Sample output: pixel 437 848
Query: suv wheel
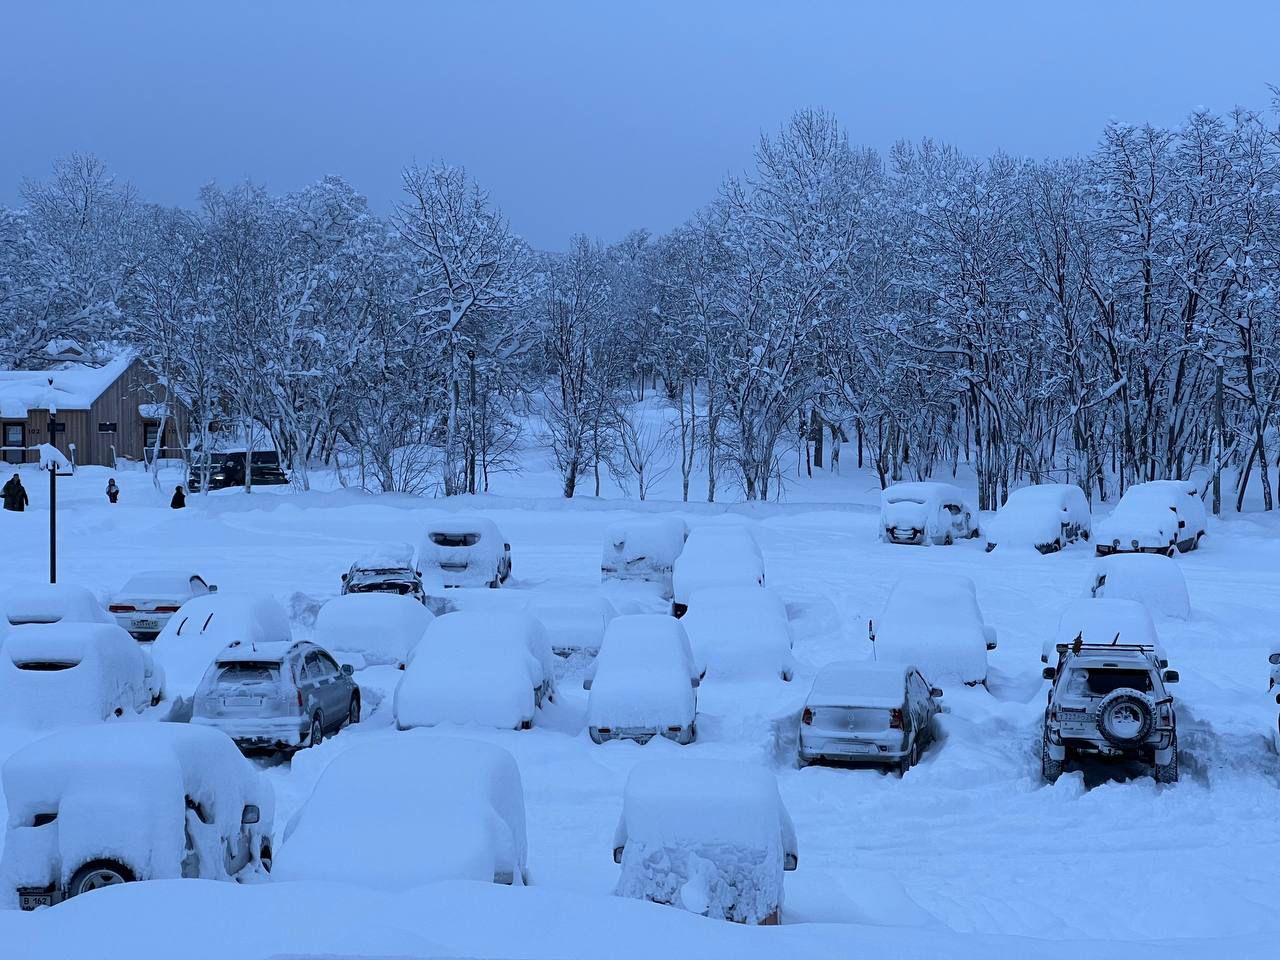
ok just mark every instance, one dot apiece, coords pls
pixel 1050 768
pixel 1168 772
pixel 97 874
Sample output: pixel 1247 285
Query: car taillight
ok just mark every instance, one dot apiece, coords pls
pixel 121 608
pixel 895 719
pixel 807 717
pixel 169 609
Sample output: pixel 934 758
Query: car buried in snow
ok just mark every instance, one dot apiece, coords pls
pixel 716 555
pixel 1110 700
pixel 925 512
pixel 146 601
pixel 371 629
pixel 1160 516
pixel 93 807
pixel 388 569
pixel 872 713
pixel 642 682
pixel 466 551
pixel 934 623
pixel 643 549
pixel 1153 580
pixel 1046 516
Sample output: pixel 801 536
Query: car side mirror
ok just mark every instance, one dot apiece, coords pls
pixel 1171 676
pixel 1049 672
pixel 617 854
pixel 348 669
pixel 990 634
pixel 935 692
pixel 344 578
pixel 790 861
pixel 586 683
pixel 251 814
pixel 213 588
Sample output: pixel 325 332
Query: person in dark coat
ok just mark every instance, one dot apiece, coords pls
pixel 179 498
pixel 113 492
pixel 15 494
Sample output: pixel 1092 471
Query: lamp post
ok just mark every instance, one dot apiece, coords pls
pixel 53 492
pixel 471 453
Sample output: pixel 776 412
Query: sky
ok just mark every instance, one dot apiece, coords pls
pixel 592 117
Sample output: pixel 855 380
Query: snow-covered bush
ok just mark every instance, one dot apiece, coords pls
pixel 162 800
pixel 642 681
pixel 1103 621
pixel 52 603
pixel 199 631
pixel 1153 580
pixel 467 550
pixel 716 555
pixel 924 512
pixel 483 669
pixel 740 633
pixel 708 836
pixel 380 627
pixel 410 811
pixel 575 621
pixel 643 548
pixel 1046 516
pixel 66 673
pixel 934 623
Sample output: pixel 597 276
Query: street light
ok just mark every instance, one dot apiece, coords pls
pixel 50 459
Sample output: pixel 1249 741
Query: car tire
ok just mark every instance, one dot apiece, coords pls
pixel 1050 769
pixel 1172 551
pixel 1125 716
pixel 97 874
pixel 594 734
pixel 353 713
pixel 1168 772
pixel 316 737
pixel 264 856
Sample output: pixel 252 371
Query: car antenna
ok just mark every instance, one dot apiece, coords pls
pixel 1117 638
pixel 871 633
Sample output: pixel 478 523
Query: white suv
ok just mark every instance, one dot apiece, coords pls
pixel 1110 700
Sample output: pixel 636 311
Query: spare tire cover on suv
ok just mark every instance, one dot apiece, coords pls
pixel 1125 716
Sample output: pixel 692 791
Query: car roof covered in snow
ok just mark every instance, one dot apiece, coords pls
pixel 460 523
pixel 272 651
pixel 860 683
pixel 1046 493
pixel 65 639
pixel 386 556
pixel 165 583
pixel 921 491
pixel 656 539
pixel 933 586
pixel 204 625
pixel 51 602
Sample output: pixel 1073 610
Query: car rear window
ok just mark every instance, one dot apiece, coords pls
pixel 455 539
pixel 248 674
pixel 1097 682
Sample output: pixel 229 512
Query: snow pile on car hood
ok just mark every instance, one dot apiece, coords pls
pixel 643 677
pixel 708 836
pixel 1152 580
pixel 574 621
pixel 387 556
pixel 740 633
pixel 381 627
pixel 203 627
pixel 404 812
pixel 118 792
pixel 934 623
pixel 471 564
pixel 51 603
pixel 58 674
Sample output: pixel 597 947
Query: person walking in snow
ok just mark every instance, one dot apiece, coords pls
pixel 179 498
pixel 15 494
pixel 113 492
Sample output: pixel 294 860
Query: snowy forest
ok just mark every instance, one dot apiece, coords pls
pixel 1103 319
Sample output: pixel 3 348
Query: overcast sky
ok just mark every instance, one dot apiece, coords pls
pixel 587 116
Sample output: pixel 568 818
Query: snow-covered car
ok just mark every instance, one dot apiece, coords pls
pixel 575 621
pixel 53 603
pixel 1101 621
pixel 410 811
pixel 371 629
pixel 57 674
pixel 642 682
pixel 1110 700
pixel 147 600
pixel 387 569
pixel 716 555
pixel 279 696
pixel 863 712
pixel 97 806
pixel 1162 516
pixel 1151 579
pixel 925 512
pixel 203 628
pixel 934 623
pixel 486 669
pixel 644 549
pixel 468 551
pixel 1046 516
pixel 740 633
pixel 708 836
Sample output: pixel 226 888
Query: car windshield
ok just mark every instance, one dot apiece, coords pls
pixel 248 674
pixel 455 539
pixel 382 586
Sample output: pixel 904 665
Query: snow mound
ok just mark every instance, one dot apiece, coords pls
pixel 717 555
pixel 51 603
pixel 575 621
pixel 66 673
pixel 381 627
pixel 740 633
pixel 408 811
pixel 709 836
pixel 1150 579
pixel 935 623
pixel 644 676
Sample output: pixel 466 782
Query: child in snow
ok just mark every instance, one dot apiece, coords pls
pixel 179 498
pixel 113 492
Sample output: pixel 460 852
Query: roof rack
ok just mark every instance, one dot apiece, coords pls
pixel 1078 645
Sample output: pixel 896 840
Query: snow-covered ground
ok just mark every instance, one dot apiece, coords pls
pixel 968 855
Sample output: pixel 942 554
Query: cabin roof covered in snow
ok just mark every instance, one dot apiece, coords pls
pixel 75 386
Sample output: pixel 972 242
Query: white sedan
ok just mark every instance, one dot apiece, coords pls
pixel 147 600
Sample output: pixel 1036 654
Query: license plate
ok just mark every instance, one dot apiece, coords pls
pixel 242 701
pixel 146 624
pixel 29 901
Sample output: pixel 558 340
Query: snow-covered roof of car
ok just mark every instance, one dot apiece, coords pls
pixel 271 651
pixel 386 556
pixel 164 583
pixel 1057 494
pixel 860 683
pixel 382 627
pixel 740 632
pixel 203 627
pixel 75 386
pixel 1153 580
pixel 52 602
pixel 717 556
pixel 654 540
pixel 461 523
pixel 933 620
pixel 921 491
